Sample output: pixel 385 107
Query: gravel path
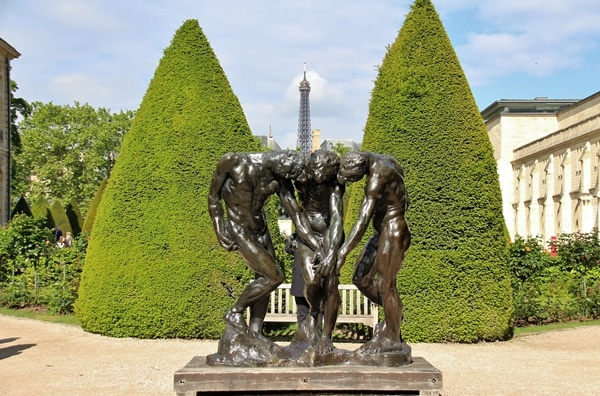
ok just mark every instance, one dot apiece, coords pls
pixel 41 358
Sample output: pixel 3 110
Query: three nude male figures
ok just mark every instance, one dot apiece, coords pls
pixel 245 181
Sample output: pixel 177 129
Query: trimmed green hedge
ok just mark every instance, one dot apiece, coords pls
pixel 154 267
pixel 75 218
pixel 21 207
pixel 455 283
pixel 60 218
pixel 90 217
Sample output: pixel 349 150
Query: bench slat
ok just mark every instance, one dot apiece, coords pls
pixel 354 308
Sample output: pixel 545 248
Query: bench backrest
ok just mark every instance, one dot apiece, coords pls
pixel 354 307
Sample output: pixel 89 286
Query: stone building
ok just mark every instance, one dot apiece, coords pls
pixel 7 53
pixel 548 154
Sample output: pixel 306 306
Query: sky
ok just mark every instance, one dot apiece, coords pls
pixel 105 52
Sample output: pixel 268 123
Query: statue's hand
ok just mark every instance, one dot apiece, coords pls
pixel 326 267
pixel 226 242
pixel 341 258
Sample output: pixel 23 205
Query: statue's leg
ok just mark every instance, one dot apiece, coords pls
pixel 261 260
pixel 394 240
pixel 258 310
pixel 331 305
pixel 365 270
pixel 312 288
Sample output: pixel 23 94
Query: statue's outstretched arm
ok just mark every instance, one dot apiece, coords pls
pixel 215 205
pixel 289 203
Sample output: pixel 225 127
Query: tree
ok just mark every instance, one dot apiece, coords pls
pixel 88 223
pixel 455 284
pixel 18 107
pixel 68 150
pixel 340 149
pixel 154 267
pixel 21 207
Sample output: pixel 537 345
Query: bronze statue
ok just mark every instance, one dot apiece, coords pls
pixel 320 197
pixel 385 203
pixel 244 182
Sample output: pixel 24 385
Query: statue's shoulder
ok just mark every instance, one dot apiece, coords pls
pixel 234 158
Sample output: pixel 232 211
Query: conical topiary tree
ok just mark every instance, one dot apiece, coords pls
pixel 90 217
pixel 154 267
pixel 21 207
pixel 59 215
pixel 74 215
pixel 455 282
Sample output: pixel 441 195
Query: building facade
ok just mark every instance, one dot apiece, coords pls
pixel 548 155
pixel 7 53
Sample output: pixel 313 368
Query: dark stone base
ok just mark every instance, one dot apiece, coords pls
pixel 416 378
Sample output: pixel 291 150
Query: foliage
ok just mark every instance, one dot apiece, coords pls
pixel 553 289
pixel 34 271
pixel 284 259
pixel 74 216
pixel 547 299
pixel 60 217
pixel 340 149
pixel 88 224
pixel 21 207
pixel 456 283
pixel 528 257
pixel 19 107
pixel 16 295
pixel 154 267
pixel 579 252
pixel 24 239
pixel 67 150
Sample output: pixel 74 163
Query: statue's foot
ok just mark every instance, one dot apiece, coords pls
pixel 323 345
pixel 236 320
pixel 308 330
pixel 379 331
pixel 381 345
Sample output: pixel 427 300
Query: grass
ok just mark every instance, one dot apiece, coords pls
pixel 40 315
pixel 553 326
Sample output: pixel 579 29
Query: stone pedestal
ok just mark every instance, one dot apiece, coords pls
pixel 417 378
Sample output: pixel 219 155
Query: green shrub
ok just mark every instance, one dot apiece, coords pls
pixel 60 217
pixel 16 295
pixel 59 298
pixel 34 271
pixel 154 267
pixel 90 217
pixel 551 297
pixel 41 210
pixel 75 219
pixel 21 208
pixel 456 284
pixel 528 257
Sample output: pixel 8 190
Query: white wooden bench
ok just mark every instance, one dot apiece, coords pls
pixel 354 307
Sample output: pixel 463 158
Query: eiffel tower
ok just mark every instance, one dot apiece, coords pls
pixel 304 141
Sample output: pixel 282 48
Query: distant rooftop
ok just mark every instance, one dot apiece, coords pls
pixel 524 106
pixel 329 144
pixel 268 142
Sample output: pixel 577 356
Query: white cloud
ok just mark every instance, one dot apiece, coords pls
pixel 105 52
pixel 536 37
